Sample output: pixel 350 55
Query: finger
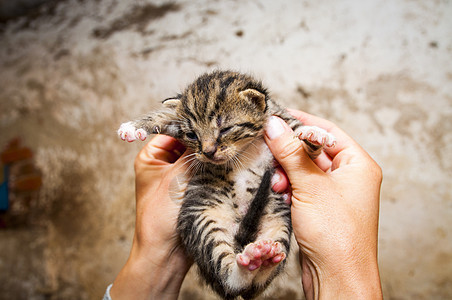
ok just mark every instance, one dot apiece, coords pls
pixel 324 162
pixel 287 150
pixel 309 119
pixel 288 197
pixel 343 140
pixel 280 182
pixel 162 149
pixel 347 150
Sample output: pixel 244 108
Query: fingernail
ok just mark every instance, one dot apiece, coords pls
pixel 274 128
pixel 287 198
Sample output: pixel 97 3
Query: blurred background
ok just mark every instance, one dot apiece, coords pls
pixel 72 70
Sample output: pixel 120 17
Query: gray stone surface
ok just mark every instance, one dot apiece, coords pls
pixel 73 72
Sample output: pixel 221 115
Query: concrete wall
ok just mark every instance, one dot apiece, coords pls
pixel 73 72
pixel 13 9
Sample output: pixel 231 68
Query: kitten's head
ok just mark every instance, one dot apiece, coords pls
pixel 220 115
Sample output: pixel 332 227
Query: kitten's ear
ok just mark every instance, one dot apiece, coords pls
pixel 171 102
pixel 254 96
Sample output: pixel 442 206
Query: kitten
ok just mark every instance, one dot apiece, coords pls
pixel 231 223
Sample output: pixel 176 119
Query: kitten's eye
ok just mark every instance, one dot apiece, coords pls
pixel 225 130
pixel 191 136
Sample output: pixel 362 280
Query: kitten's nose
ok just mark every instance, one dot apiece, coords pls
pixel 209 151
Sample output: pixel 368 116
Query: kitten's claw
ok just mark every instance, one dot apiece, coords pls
pixel 128 132
pixel 261 253
pixel 141 134
pixel 317 136
pixel 156 129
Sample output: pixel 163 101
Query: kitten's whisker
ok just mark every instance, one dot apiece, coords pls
pixel 196 166
pixel 237 162
pixel 188 163
pixel 193 165
pixel 203 167
pixel 189 158
pixel 241 155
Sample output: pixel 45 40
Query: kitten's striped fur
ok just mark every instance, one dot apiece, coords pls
pixel 231 223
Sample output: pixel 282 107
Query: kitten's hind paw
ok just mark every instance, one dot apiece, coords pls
pixel 128 132
pixel 317 136
pixel 261 253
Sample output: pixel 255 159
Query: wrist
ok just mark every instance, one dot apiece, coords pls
pixel 358 281
pixel 355 283
pixel 153 273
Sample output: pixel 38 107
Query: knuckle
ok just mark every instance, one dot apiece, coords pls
pixel 138 162
pixel 378 171
pixel 375 171
pixel 289 150
pixel 137 165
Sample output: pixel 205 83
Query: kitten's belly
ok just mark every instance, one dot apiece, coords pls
pixel 248 178
pixel 246 181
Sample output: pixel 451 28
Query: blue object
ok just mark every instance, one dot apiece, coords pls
pixel 4 191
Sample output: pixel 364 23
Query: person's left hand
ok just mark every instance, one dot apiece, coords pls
pixel 157 264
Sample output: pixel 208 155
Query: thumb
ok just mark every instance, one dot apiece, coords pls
pixel 287 149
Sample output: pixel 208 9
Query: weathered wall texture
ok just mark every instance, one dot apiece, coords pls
pixel 71 73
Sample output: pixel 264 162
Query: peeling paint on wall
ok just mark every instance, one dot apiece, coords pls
pixel 71 73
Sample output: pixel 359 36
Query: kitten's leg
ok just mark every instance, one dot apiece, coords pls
pixel 164 121
pixel 207 233
pixel 275 227
pixel 210 230
pixel 263 253
pixel 264 234
pixel 314 138
pixel 129 132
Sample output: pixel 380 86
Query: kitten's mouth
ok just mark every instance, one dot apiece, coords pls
pixel 216 160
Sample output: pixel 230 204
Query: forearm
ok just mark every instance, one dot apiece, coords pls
pixel 143 278
pixel 358 281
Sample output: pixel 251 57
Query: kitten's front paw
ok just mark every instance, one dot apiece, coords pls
pixel 317 136
pixel 128 132
pixel 261 253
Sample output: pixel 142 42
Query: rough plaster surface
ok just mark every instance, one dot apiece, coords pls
pixel 73 72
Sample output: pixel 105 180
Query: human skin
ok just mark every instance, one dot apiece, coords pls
pixel 335 202
pixel 335 208
pixel 157 264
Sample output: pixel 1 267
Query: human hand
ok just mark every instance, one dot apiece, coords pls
pixel 335 207
pixel 157 264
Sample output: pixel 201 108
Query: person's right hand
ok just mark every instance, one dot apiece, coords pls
pixel 335 208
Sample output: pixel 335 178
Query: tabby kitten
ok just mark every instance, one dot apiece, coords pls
pixel 231 223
